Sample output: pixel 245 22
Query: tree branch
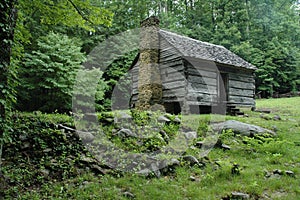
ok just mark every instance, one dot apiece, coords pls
pixel 80 13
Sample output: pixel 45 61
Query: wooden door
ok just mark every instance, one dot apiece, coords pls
pixel 223 87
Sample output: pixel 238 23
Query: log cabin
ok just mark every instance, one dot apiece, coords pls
pixel 185 75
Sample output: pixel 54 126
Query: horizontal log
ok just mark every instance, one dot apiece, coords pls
pixel 200 72
pixel 242 85
pixel 202 64
pixel 166 85
pixel 241 92
pixel 176 64
pixel 201 103
pixel 171 75
pixel 202 88
pixel 233 69
pixel 169 51
pixel 197 96
pixel 172 99
pixel 241 100
pixel 174 84
pixel 240 104
pixel 240 77
pixel 178 92
pixel 202 80
pixel 168 57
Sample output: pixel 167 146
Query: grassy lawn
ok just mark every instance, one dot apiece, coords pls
pixel 260 162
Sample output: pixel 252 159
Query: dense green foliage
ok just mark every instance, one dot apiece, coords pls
pixel 8 18
pixel 44 43
pixel 265 33
pixel 35 146
pixel 48 74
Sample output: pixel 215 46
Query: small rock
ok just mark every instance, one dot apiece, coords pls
pixel 177 120
pixel 128 195
pixel 277 117
pixel 175 162
pixel 126 133
pixel 267 173
pixel 263 111
pixel 278 171
pixel 191 159
pixel 199 144
pixel 114 131
pixel 109 120
pixel 155 169
pixel 163 119
pixel 290 173
pixel 87 159
pixel 123 117
pixel 192 178
pixel 274 128
pixel 266 117
pixel 225 147
pixel 86 137
pixel 190 135
pixel 239 195
pixel 169 116
pixel 90 117
pixel 164 135
pixel 98 169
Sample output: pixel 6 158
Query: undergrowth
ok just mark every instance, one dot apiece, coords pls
pixel 43 162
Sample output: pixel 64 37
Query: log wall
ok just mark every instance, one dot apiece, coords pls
pixel 197 82
pixel 241 90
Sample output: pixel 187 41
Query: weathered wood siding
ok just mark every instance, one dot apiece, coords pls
pixel 196 82
pixel 241 88
pixel 202 83
pixel 204 89
pixel 172 73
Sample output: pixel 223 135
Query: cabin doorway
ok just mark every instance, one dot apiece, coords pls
pixel 223 87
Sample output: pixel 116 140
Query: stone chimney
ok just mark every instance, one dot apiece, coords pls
pixel 149 80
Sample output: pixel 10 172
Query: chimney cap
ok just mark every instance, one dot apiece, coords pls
pixel 150 21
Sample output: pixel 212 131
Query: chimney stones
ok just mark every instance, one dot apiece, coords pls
pixel 149 80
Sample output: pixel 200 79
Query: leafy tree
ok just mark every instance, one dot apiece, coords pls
pixel 37 18
pixel 8 16
pixel 49 73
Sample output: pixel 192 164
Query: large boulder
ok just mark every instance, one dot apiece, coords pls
pixel 240 128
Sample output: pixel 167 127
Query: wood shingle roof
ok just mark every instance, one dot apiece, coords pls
pixel 189 47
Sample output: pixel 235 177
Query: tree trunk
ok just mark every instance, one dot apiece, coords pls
pixel 8 16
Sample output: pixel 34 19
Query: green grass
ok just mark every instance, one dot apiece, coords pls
pixel 255 157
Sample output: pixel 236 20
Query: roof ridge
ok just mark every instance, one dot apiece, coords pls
pixel 189 38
